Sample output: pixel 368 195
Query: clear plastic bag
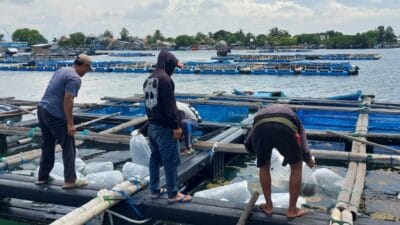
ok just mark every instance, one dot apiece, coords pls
pixel 95 167
pixel 280 175
pixel 106 179
pixel 139 149
pixel 236 192
pixel 329 182
pixel 134 170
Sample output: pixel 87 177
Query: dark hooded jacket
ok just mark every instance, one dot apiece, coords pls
pixel 159 94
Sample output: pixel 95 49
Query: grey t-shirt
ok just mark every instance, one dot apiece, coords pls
pixel 64 80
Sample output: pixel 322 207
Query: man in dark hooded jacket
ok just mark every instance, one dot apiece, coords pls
pixel 163 130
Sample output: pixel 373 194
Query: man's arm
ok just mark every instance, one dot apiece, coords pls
pixel 68 106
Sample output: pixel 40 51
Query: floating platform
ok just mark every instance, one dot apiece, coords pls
pixel 227 119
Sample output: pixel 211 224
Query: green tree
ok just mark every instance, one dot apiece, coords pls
pixel 261 39
pixel 249 39
pixel 308 39
pixel 240 36
pixel 77 39
pixel 1 37
pixel 381 34
pixel 158 36
pixel 221 35
pixel 276 33
pixel 107 33
pixel 64 41
pixel 33 36
pixel 124 34
pixel 200 38
pixel 389 36
pixel 184 40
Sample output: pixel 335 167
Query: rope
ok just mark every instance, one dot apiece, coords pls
pixel 132 202
pixel 211 153
pixel 32 133
pixel 126 218
pixel 85 132
pixel 363 110
pixel 368 158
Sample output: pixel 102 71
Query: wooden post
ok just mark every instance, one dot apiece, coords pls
pixel 247 210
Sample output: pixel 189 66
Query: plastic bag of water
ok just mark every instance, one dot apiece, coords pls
pixel 280 175
pixel 95 167
pixel 107 179
pixel 236 192
pixel 134 170
pixel 139 149
pixel 329 182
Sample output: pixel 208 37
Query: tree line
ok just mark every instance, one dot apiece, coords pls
pixel 274 38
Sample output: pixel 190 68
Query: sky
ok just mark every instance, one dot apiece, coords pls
pixel 54 18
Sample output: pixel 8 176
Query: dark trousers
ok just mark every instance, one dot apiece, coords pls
pixel 55 130
pixel 188 125
pixel 164 151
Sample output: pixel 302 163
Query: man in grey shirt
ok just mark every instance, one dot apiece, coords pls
pixel 56 121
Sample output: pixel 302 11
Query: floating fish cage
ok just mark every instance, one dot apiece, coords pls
pixel 227 119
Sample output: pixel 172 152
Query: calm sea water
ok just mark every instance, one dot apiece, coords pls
pixel 376 77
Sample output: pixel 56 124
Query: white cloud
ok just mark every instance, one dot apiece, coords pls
pixel 174 17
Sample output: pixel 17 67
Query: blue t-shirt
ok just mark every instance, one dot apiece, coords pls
pixel 64 80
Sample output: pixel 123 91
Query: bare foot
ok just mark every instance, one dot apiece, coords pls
pixel 297 213
pixel 267 208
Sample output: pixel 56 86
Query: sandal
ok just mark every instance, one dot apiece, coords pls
pixel 78 183
pixel 187 151
pixel 156 195
pixel 183 199
pixel 43 182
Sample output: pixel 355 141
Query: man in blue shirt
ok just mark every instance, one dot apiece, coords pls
pixel 56 121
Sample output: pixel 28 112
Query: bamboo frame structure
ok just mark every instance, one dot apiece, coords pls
pixel 106 199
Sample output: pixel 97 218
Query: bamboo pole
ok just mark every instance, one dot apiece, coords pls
pixel 122 126
pixel 96 120
pixel 106 199
pixel 247 210
pixel 353 185
pixel 392 160
pixel 363 141
pixel 347 187
pixel 254 105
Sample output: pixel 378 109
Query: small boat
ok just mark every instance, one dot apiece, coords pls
pixel 355 96
pixel 260 94
pixel 351 96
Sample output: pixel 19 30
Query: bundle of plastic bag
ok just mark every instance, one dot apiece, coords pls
pixel 280 175
pixel 107 179
pixel 95 167
pixel 329 182
pixel 139 149
pixel 134 170
pixel 236 192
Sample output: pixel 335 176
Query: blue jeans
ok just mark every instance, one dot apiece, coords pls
pixel 164 151
pixel 188 126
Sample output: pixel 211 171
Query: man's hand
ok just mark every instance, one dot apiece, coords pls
pixel 177 133
pixel 71 129
pixel 311 162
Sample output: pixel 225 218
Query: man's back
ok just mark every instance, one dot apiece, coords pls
pixel 64 80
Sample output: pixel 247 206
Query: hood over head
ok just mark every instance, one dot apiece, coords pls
pixel 166 61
